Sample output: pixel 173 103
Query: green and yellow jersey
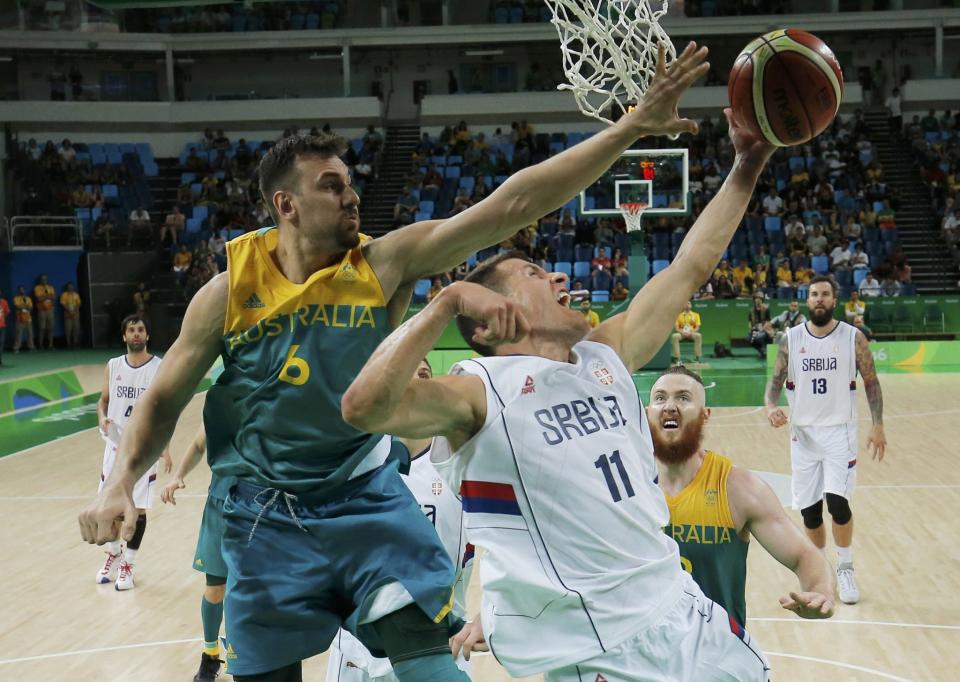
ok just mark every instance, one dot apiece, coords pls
pixel 710 547
pixel 290 351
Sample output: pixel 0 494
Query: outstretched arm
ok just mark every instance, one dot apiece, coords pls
pixel 412 252
pixel 877 440
pixel 756 508
pixel 640 331
pixel 384 399
pixel 775 414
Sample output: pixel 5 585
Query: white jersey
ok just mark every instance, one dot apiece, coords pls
pixel 127 383
pixel 559 487
pixel 443 508
pixel 822 376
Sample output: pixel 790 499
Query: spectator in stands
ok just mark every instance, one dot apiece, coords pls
pixel 373 138
pixel 462 201
pixel 23 311
pixel 789 318
pixel 784 279
pixel 182 260
pixel 894 106
pixel 798 245
pixel 890 286
pixel 839 257
pixel 432 178
pixel 794 226
pixel 743 276
pixel 772 203
pixel 141 300
pixel 44 297
pixel 236 194
pixel 70 302
pixel 725 288
pixel 618 264
pixel 886 219
pixel 861 325
pixel 723 270
pixel 704 293
pixel 578 293
pixel 218 247
pixel 686 328
pixel 601 262
pixel 592 318
pixel 173 226
pixel 435 288
pixel 859 260
pixel 711 180
pixel 81 198
pixel 103 228
pixel 405 209
pixel 67 153
pixel 817 242
pixel 870 286
pixel 852 229
pixel 620 292
pixel 4 314
pixel 761 259
pixel 760 330
pixel 855 306
pixel 221 142
pixel 802 276
pixel 930 123
pixel 139 223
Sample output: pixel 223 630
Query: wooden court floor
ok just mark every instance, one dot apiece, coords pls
pixel 57 624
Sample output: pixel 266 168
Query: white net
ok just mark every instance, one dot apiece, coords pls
pixel 609 51
pixel 632 213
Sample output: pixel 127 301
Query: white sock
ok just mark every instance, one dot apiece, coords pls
pixel 113 547
pixel 130 556
pixel 845 555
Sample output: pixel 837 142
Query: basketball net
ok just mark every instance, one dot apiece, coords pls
pixel 609 51
pixel 632 212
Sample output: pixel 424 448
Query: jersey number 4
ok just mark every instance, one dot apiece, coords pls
pixel 819 386
pixel 603 464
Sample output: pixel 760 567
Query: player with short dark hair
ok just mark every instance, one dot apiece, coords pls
pixel 819 362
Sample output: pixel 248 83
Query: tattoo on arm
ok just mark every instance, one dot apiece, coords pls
pixel 776 382
pixel 871 383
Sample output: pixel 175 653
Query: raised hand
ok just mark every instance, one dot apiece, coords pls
pixel 501 320
pixel 747 144
pixel 808 604
pixel 656 113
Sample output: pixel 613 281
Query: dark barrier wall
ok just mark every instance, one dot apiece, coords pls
pixel 23 267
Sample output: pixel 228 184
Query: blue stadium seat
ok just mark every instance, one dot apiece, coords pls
pixel 820 264
pixel 844 277
pixel 600 296
pixel 859 275
pixel 564 267
pixel 574 138
pixel 601 280
pixel 111 194
pixel 468 181
pixel 583 252
pixel 556 147
pixel 797 162
pixel 421 216
pixel 773 223
pixel 438 160
pixel 196 189
pixel 233 234
pixel 201 213
pixel 187 178
pixel 426 207
pixel 472 260
pixel 452 172
pixel 194 225
pixel 420 290
pixel 581 269
pixel 454 160
pixel 660 264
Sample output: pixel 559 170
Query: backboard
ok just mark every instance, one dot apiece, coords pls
pixel 657 177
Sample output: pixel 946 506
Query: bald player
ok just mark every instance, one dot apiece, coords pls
pixel 715 507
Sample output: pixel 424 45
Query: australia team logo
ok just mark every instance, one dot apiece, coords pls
pixel 348 273
pixel 603 375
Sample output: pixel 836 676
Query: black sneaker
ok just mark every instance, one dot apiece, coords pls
pixel 209 669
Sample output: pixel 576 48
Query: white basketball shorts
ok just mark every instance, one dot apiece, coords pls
pixel 696 641
pixel 351 662
pixel 142 489
pixel 823 460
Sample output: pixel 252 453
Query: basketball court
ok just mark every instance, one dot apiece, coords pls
pixel 57 624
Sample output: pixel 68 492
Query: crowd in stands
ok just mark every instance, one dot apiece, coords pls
pixel 935 141
pixel 823 207
pixel 236 17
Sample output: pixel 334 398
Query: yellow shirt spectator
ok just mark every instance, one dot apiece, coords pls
pixel 853 308
pixel 70 300
pixel 593 319
pixel 803 276
pixel 688 319
pixel 760 278
pixel 182 259
pixel 44 295
pixel 784 276
pixel 23 305
pixel 741 273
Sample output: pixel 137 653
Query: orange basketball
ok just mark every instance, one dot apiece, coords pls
pixel 786 86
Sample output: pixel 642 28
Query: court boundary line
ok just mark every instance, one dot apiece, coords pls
pixel 905 415
pixel 878 623
pixel 841 664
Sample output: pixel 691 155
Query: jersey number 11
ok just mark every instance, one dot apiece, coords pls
pixel 603 464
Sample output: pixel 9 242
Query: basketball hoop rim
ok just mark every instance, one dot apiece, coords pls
pixel 632 212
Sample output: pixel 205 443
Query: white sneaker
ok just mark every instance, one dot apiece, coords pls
pixel 846 585
pixel 125 579
pixel 108 573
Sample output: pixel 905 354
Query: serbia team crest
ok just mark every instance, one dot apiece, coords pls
pixel 604 376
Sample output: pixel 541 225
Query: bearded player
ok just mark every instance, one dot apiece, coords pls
pixel 715 507
pixel 819 361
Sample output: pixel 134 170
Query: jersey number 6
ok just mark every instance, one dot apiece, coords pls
pixel 301 370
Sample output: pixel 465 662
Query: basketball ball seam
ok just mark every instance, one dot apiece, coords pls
pixel 788 78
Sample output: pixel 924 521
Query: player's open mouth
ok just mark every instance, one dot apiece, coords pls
pixel 670 424
pixel 563 298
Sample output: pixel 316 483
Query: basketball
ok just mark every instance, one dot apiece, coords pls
pixel 786 86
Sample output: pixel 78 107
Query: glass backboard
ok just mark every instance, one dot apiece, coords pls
pixel 657 177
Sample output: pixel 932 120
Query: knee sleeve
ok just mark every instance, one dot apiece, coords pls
pixel 408 633
pixel 134 542
pixel 839 509
pixel 813 515
pixel 216 580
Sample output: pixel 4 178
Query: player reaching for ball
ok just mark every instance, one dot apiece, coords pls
pixel 546 440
